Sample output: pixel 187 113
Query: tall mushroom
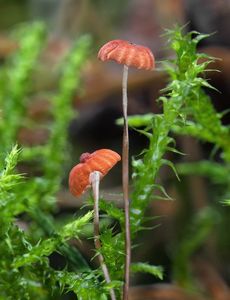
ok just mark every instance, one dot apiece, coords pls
pixel 140 57
pixel 91 169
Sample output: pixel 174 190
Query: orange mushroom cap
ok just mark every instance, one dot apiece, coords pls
pixel 129 54
pixel 101 160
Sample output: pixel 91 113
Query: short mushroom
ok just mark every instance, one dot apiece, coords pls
pixel 101 160
pixel 140 57
pixel 88 172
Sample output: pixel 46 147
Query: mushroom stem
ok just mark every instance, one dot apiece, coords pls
pixel 125 183
pixel 94 178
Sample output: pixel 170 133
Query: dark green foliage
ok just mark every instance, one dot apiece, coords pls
pixel 9 181
pixel 47 224
pixel 85 285
pixel 15 82
pixel 194 236
pixel 14 242
pixel 185 72
pixel 146 268
pixel 48 246
pixel 217 173
pixel 25 272
pixel 52 154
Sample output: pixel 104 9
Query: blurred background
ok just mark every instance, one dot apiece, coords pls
pixel 98 105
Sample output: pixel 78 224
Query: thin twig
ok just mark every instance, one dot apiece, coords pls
pixel 95 181
pixel 125 183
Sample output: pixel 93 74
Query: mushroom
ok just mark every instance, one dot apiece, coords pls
pixel 140 57
pixel 91 169
pixel 101 160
